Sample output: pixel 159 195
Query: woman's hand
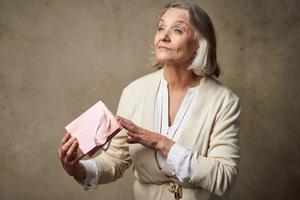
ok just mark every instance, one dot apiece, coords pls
pixel 147 138
pixel 70 155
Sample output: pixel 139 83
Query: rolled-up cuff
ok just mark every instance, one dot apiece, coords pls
pixel 92 175
pixel 182 161
pixel 175 157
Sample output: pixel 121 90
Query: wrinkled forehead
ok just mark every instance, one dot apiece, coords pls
pixel 175 14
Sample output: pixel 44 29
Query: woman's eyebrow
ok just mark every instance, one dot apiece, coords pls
pixel 179 21
pixel 161 20
pixel 176 22
pixel 182 22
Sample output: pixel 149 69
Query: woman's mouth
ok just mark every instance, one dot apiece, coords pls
pixel 162 48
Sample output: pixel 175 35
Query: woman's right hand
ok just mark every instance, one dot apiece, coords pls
pixel 70 155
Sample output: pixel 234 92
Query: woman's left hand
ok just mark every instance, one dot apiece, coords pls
pixel 147 138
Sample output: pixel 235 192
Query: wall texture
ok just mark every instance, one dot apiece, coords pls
pixel 57 58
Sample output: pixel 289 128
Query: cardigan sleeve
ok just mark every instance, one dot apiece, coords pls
pixel 217 171
pixel 116 159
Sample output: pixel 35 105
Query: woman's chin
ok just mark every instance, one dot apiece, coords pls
pixel 165 60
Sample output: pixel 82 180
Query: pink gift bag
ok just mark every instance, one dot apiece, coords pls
pixel 94 128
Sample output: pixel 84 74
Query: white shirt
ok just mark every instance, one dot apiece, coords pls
pixel 180 161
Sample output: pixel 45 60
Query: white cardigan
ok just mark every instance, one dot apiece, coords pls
pixel 212 131
pixel 181 161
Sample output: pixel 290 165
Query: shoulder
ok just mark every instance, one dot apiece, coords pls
pixel 134 92
pixel 140 84
pixel 137 89
pixel 222 100
pixel 220 92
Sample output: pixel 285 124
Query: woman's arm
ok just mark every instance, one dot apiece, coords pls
pixel 108 166
pixel 217 171
pixel 113 162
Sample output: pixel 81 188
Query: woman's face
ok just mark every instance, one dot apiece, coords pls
pixel 174 39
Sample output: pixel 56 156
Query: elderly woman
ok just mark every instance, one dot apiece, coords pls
pixel 181 126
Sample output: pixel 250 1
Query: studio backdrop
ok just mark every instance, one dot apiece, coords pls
pixel 59 57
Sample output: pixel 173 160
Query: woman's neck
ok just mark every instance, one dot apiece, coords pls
pixel 180 78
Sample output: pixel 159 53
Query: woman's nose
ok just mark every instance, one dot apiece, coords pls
pixel 165 36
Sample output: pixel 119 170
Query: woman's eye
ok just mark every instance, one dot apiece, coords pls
pixel 177 30
pixel 160 29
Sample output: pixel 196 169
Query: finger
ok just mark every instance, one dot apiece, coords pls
pixel 118 118
pixel 64 139
pixel 130 126
pixel 71 151
pixel 64 149
pixel 133 136
pixel 131 141
pixel 80 153
pixel 124 120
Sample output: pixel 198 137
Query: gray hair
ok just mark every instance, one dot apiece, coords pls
pixel 205 60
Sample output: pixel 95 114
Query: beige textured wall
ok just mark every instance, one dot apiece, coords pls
pixel 57 58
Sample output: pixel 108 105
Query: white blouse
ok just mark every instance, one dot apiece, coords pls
pixel 180 161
